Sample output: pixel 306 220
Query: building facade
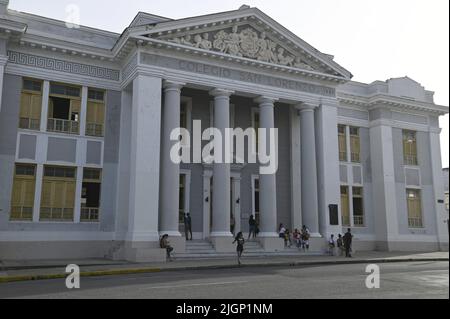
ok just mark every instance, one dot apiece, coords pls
pixel 86 117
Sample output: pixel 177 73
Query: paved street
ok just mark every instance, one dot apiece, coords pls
pixel 398 280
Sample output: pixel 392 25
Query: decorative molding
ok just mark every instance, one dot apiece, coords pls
pixel 242 41
pixel 63 66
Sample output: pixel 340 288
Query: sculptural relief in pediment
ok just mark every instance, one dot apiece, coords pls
pixel 243 42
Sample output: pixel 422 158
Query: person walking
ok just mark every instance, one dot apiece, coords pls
pixel 188 226
pixel 240 245
pixel 348 237
pixel 165 244
pixel 331 245
pixel 340 245
pixel 252 227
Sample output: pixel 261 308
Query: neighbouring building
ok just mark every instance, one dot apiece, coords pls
pixel 85 122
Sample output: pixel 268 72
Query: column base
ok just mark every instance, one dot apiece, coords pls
pixel 142 252
pixel 223 244
pixel 272 243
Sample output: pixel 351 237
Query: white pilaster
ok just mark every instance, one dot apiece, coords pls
pixel 328 166
pixel 3 61
pixel 206 204
pixel 145 160
pixel 37 192
pixel 310 209
pixel 78 190
pixel 83 111
pixel 384 192
pixel 438 189
pixel 44 108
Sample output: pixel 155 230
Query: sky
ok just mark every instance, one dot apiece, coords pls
pixel 373 39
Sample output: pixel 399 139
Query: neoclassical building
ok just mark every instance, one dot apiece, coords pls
pixel 86 117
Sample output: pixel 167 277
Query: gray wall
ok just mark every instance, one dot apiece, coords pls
pixel 110 161
pixel 9 121
pixel 424 159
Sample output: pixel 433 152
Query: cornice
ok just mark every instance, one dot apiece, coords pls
pixel 218 56
pixel 375 101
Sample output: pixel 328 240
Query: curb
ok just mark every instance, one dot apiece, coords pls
pixel 130 271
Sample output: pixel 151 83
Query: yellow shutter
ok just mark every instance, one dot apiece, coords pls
pixel 17 192
pixel 36 102
pixel 69 194
pixel 46 198
pixel 100 118
pixel 91 112
pixel 25 104
pixel 28 193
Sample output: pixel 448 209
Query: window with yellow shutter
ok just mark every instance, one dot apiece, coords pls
pixel 58 194
pixel 30 105
pixel 355 145
pixel 410 148
pixel 414 205
pixel 342 143
pixel 95 118
pixel 22 198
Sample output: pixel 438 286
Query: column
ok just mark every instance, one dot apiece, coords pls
pixel 237 204
pixel 221 234
pixel 221 171
pixel 170 171
pixel 310 209
pixel 144 161
pixel 267 182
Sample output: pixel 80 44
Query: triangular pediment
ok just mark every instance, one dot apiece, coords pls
pixel 246 33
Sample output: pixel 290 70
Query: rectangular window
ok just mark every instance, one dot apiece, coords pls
pixel 358 207
pixel 64 107
pixel 90 195
pixel 414 208
pixel 342 143
pixel 95 118
pixel 256 203
pixel 22 199
pixel 355 145
pixel 182 192
pixel 58 193
pixel 345 206
pixel 30 105
pixel 410 148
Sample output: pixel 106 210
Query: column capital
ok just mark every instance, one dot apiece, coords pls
pixel 221 92
pixel 303 106
pixel 173 85
pixel 265 100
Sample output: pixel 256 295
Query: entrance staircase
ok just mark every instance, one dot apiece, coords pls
pixel 203 249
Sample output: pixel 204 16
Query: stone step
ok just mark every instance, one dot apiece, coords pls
pixel 246 254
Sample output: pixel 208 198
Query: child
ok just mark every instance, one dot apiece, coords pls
pixel 331 245
pixel 240 245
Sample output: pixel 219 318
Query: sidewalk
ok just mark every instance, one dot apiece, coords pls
pixel 53 269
